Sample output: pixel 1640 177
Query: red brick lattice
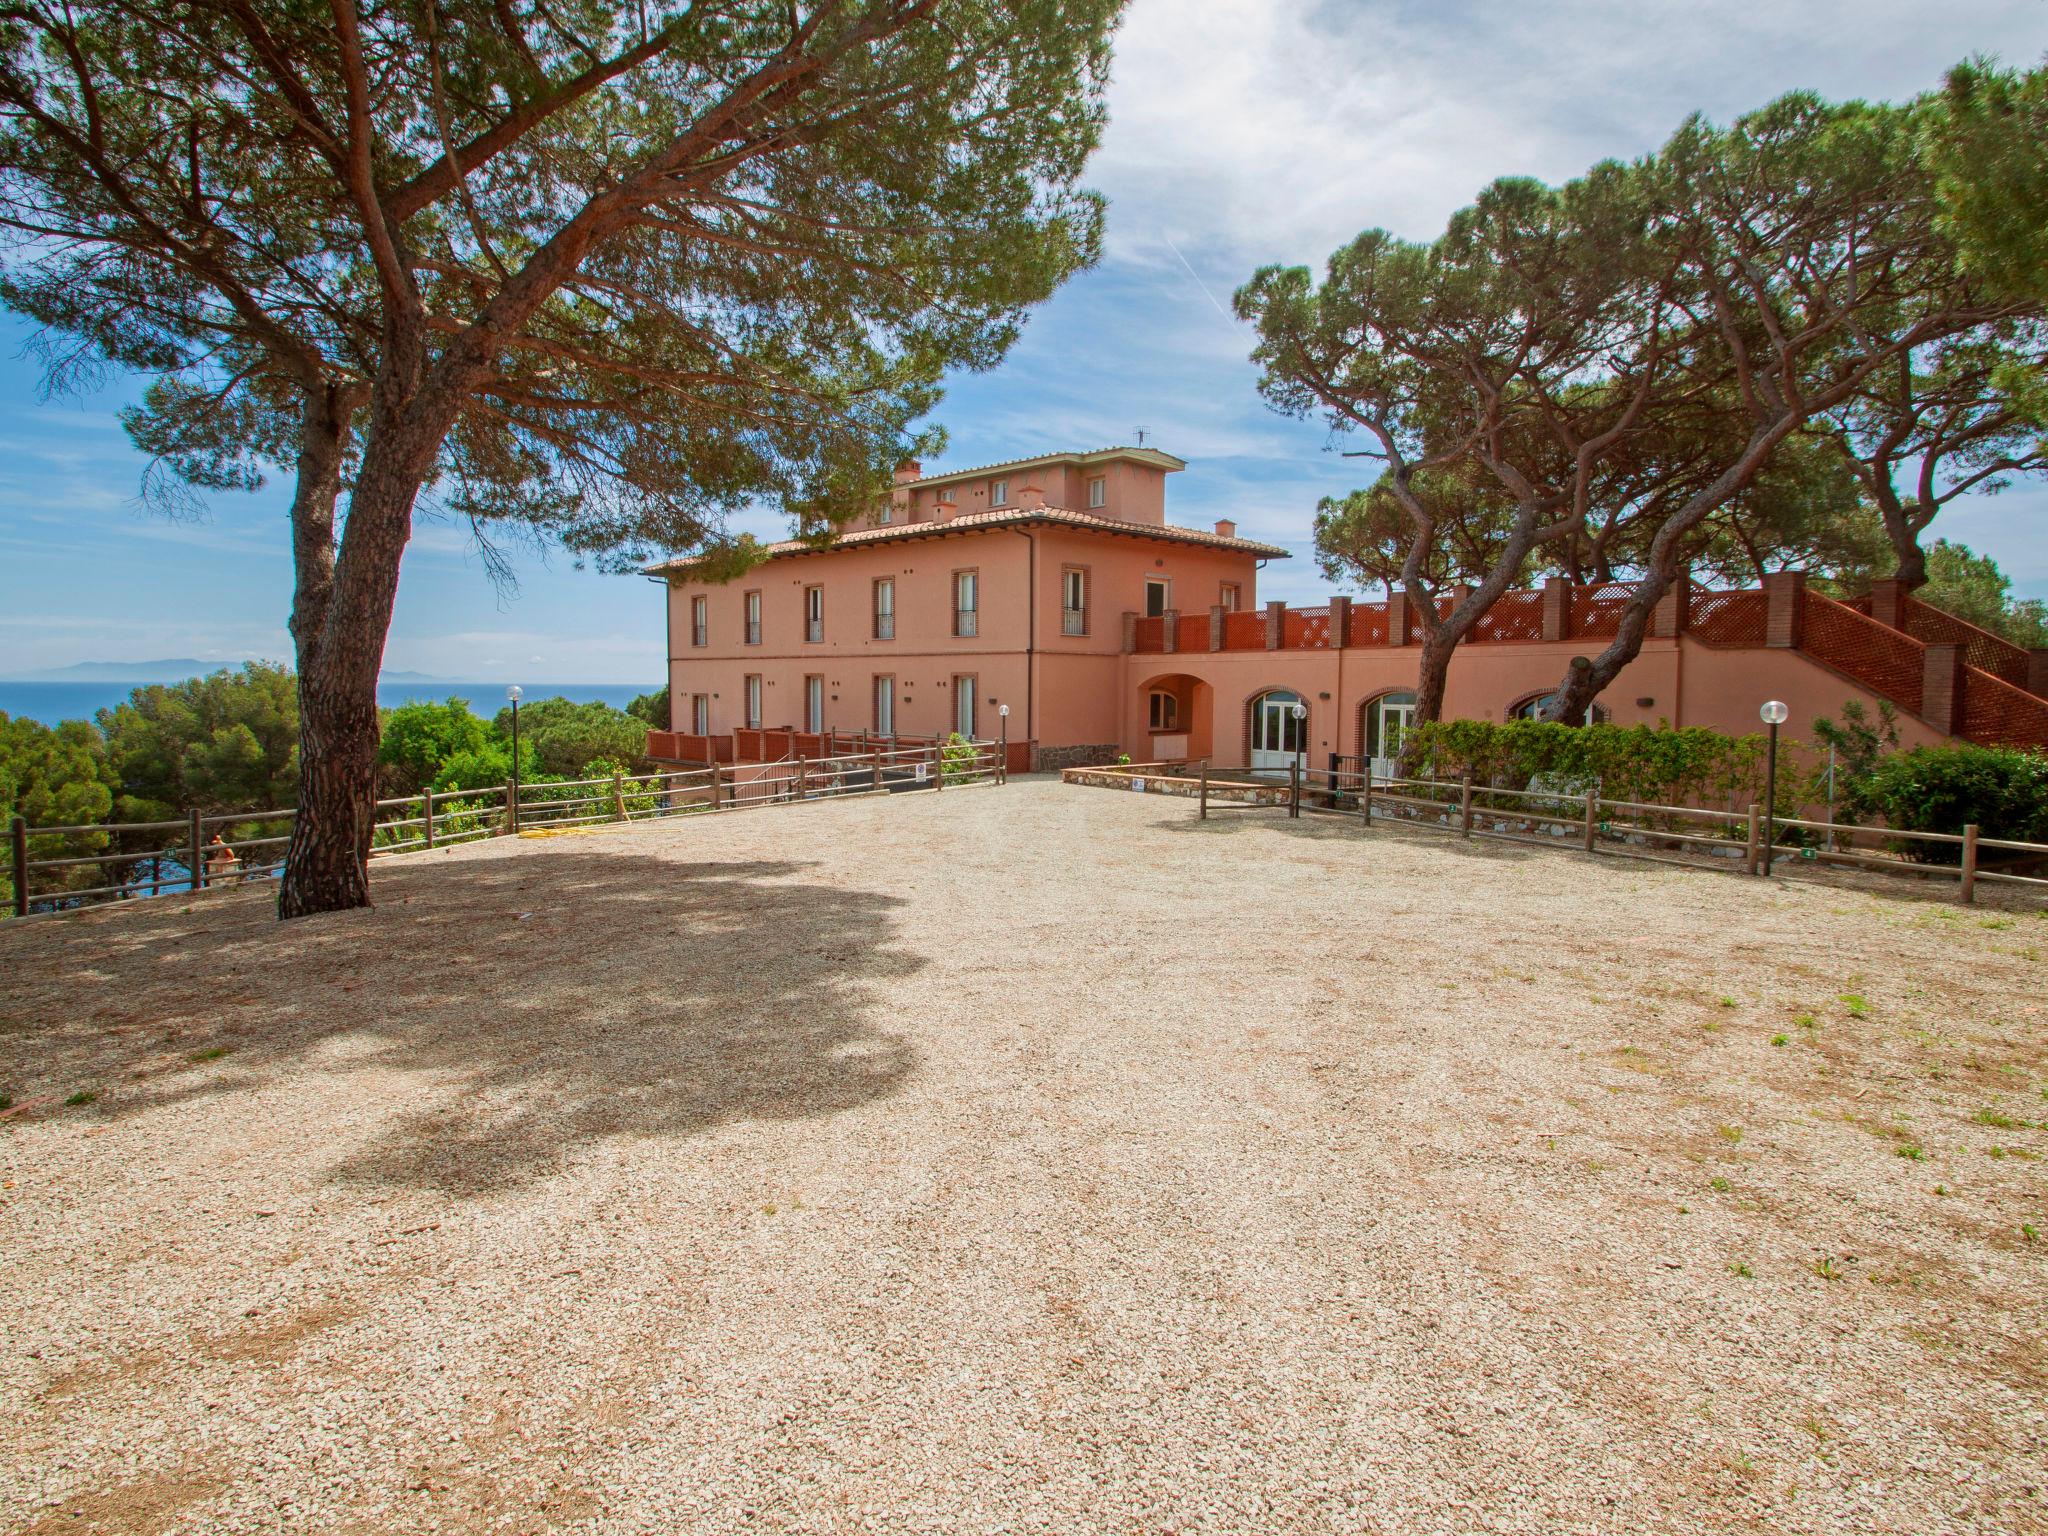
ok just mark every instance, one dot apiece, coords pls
pixel 1735 619
pixel 1193 632
pixel 1244 631
pixel 1514 616
pixel 1596 611
pixel 1996 713
pixel 1306 629
pixel 1890 664
pixel 1981 649
pixel 1368 624
pixel 1151 634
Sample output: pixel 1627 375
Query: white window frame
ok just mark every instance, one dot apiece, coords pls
pixel 1165 586
pixel 966 703
pixel 1230 596
pixel 814 615
pixel 885 704
pixel 1162 719
pixel 1098 491
pixel 814 703
pixel 700 620
pixel 753 687
pixel 999 493
pixel 753 620
pixel 700 714
pixel 1074 600
pixel 967 603
pixel 884 604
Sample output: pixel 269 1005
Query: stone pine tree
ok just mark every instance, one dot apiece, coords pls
pixel 595 271
pixel 1731 291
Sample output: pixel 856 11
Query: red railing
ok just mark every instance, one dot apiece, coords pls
pixel 1735 619
pixel 1596 611
pixel 1995 713
pixel 1150 635
pixel 1513 616
pixel 1368 624
pixel 1244 631
pixel 1981 649
pixel 1192 633
pixel 1305 629
pixel 1857 646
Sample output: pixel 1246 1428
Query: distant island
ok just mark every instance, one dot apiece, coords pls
pixel 174 669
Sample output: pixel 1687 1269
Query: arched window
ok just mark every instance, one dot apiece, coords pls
pixel 1163 709
pixel 1533 706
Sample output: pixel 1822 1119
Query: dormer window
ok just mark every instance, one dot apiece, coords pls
pixel 1098 491
pixel 888 516
pixel 999 493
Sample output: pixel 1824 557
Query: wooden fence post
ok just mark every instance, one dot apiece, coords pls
pixel 1365 794
pixel 618 795
pixel 198 852
pixel 1592 818
pixel 938 766
pixel 20 867
pixel 1205 793
pixel 428 797
pixel 1970 862
pixel 1294 787
pixel 1465 803
pixel 717 786
pixel 803 775
pixel 1755 837
pixel 875 778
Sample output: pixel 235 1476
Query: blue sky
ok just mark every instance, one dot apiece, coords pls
pixel 1242 132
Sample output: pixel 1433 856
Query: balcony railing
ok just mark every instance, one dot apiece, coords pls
pixel 964 623
pixel 753 631
pixel 885 626
pixel 1073 621
pixel 814 631
pixel 698 635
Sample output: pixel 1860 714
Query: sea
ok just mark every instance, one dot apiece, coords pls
pixel 52 703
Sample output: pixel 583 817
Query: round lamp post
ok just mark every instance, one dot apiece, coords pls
pixel 1773 715
pixel 1003 715
pixel 1300 713
pixel 515 693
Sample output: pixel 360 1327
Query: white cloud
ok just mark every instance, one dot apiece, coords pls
pixel 1261 130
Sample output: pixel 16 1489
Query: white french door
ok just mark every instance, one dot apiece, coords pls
pixel 1387 719
pixel 963 706
pixel 1276 734
pixel 885 706
pixel 814 704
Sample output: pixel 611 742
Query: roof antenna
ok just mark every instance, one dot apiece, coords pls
pixel 1141 437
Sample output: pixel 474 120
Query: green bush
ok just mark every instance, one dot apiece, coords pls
pixel 956 759
pixel 1943 789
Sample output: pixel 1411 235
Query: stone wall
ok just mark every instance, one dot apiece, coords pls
pixel 1056 759
pixel 1150 782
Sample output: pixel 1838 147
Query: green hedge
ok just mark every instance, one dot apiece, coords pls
pixel 1653 764
pixel 1943 789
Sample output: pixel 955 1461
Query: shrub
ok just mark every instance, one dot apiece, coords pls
pixel 1942 789
pixel 956 759
pixel 1657 764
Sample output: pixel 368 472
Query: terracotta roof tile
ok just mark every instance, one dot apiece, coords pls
pixel 970 522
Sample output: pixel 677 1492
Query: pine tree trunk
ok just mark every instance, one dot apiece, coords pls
pixel 340 620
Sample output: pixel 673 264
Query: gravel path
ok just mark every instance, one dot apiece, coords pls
pixel 1026 1160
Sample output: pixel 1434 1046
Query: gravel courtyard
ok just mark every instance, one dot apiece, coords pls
pixel 1034 1159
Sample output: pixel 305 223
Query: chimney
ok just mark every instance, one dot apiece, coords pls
pixel 945 509
pixel 908 471
pixel 1225 528
pixel 1031 494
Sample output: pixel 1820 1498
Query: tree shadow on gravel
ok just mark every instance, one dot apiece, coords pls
pixel 560 996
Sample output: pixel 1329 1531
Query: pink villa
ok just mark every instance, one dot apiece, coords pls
pixel 1050 601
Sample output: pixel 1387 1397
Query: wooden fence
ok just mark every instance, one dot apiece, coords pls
pixel 196 852
pixel 1752 839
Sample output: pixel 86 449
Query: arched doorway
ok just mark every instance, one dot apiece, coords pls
pixel 1277 737
pixel 1174 711
pixel 1383 722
